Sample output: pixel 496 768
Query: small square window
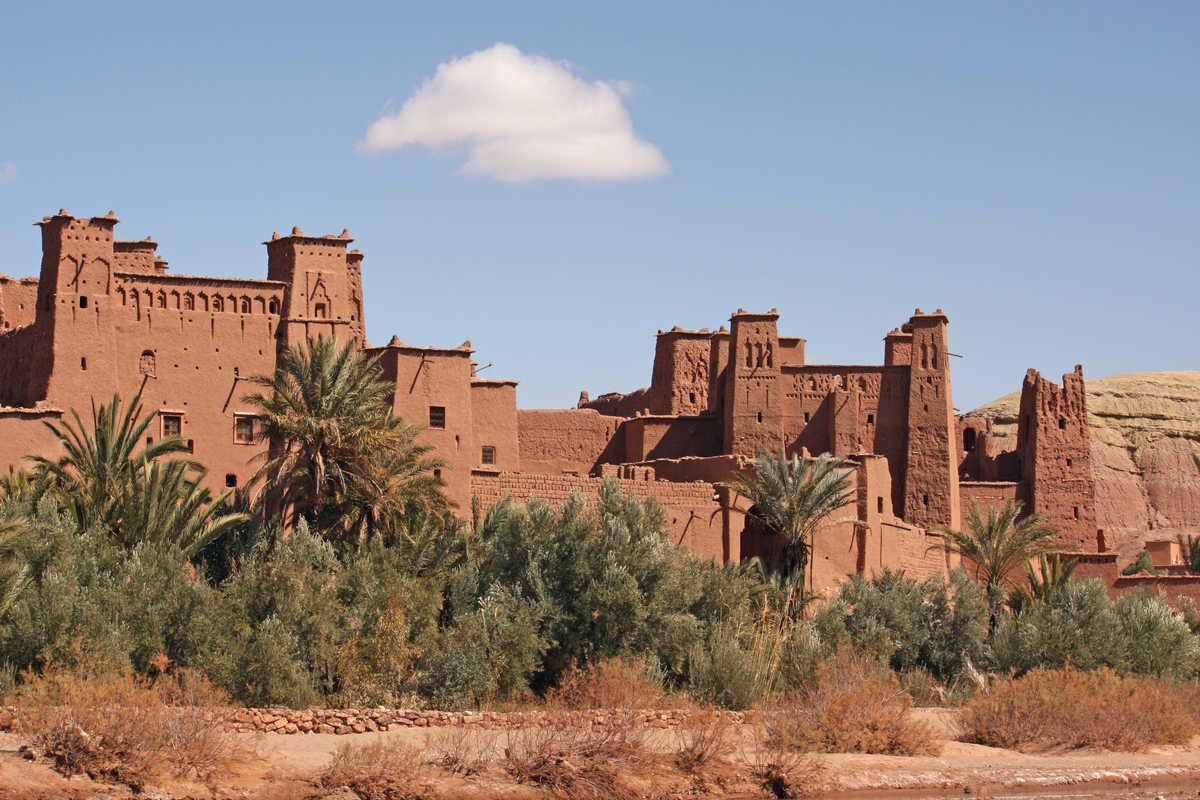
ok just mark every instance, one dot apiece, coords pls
pixel 437 416
pixel 172 424
pixel 489 454
pixel 243 430
pixel 437 473
pixel 870 419
pixel 807 416
pixel 231 481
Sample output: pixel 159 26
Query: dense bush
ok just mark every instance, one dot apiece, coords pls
pixel 928 625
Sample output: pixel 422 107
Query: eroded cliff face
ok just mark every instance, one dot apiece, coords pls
pixel 1145 428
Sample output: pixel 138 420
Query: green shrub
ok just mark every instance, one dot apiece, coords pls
pixel 1158 640
pixel 1078 627
pixel 929 625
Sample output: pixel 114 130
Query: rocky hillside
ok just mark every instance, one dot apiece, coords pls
pixel 1145 430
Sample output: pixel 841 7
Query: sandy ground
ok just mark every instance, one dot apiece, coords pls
pixel 284 764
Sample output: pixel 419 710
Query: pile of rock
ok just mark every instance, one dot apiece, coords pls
pixel 343 721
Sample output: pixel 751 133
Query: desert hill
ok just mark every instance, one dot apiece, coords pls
pixel 1145 429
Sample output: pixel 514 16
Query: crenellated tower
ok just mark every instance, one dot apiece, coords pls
pixel 753 410
pixel 1054 450
pixel 931 466
pixel 323 295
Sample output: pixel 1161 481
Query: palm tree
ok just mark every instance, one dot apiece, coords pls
pixel 792 497
pixel 101 480
pixel 14 574
pixel 1000 543
pixel 337 455
pixel 1052 576
pixel 396 485
pixel 96 470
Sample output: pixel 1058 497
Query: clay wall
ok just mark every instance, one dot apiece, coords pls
pixel 433 389
pixel 671 437
pixel 494 416
pixel 554 441
pixel 1173 587
pixel 615 404
pixel 137 257
pixel 988 494
pixel 691 513
pixel 23 434
pixel 679 381
pixel 846 409
pixel 18 302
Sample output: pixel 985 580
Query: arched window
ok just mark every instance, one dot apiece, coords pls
pixel 260 305
pixel 245 305
pixel 146 363
pixel 189 302
pixel 203 298
pixel 968 440
pixel 274 306
pixel 218 304
pixel 174 299
pixel 161 299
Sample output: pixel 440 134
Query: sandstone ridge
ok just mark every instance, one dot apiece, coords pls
pixel 1145 429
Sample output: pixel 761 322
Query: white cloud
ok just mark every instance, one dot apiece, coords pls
pixel 8 172
pixel 521 117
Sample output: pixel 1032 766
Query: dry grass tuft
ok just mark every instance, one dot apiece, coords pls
pixel 702 740
pixel 613 683
pixel 851 705
pixel 382 770
pixel 1072 708
pixel 784 773
pixel 568 757
pixel 120 727
pixel 459 750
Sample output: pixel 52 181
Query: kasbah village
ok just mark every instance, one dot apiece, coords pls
pixel 107 316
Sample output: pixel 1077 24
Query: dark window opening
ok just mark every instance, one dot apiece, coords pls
pixel 806 416
pixel 488 456
pixel 925 500
pixel 1075 510
pixel 172 425
pixel 879 504
pixel 191 446
pixel 437 473
pixel 243 430
pixel 245 305
pixel 1068 462
pixel 83 302
pixel 437 416
pixel 760 416
pixel 149 440
pixel 691 397
pixel 83 362
pixel 274 306
pixel 870 419
pixel 231 480
pixel 319 311
pixel 1062 424
pixel 969 439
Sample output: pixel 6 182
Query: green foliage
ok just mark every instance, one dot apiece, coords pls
pixel 792 497
pixel 908 624
pixel 104 484
pixel 1077 627
pixel 1143 563
pixel 338 457
pixel 999 543
pixel 1052 576
pixel 1190 547
pixel 1158 639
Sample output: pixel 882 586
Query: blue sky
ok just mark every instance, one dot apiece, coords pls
pixel 1030 168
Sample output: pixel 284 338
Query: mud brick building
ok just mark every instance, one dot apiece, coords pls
pixel 106 316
